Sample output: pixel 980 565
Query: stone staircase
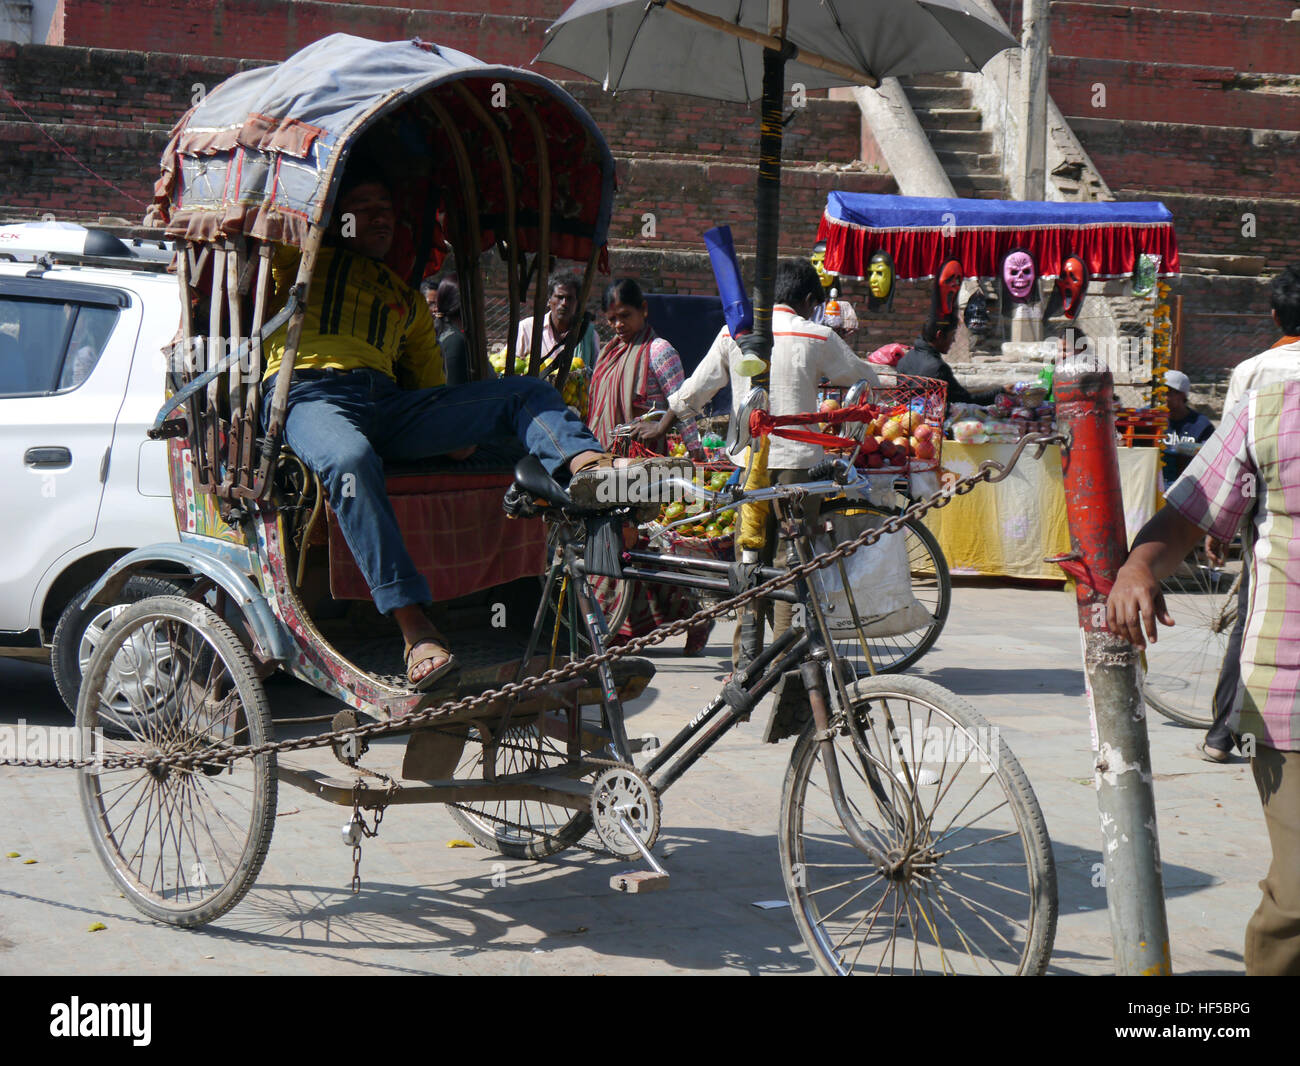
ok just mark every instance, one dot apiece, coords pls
pixel 944 108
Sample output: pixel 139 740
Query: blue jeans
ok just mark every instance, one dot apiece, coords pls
pixel 344 424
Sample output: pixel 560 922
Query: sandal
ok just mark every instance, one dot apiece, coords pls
pixel 434 648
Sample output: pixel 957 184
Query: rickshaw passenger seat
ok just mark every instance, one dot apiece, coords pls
pixel 532 478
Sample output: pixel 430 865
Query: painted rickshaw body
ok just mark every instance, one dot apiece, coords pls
pixel 494 168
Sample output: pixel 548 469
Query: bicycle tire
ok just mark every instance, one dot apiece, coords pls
pixel 819 860
pixel 1182 666
pixel 931 584
pixel 205 696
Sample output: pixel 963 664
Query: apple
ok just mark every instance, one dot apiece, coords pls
pixel 924 449
pixel 875 460
pixel 873 428
pixel 870 445
pixel 923 431
pixel 893 429
pixel 829 405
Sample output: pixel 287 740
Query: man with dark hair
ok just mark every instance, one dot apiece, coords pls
pixel 562 314
pixel 925 359
pixel 1278 363
pixel 803 353
pixel 369 386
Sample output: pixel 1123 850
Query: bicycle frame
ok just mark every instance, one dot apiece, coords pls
pixel 809 649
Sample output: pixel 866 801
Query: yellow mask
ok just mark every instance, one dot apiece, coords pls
pixel 880 279
pixel 818 260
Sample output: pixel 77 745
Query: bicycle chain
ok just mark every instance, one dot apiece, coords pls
pixel 989 471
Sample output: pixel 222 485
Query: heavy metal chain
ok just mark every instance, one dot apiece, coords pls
pixel 358 821
pixel 989 471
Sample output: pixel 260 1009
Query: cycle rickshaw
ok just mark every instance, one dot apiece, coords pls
pixel 910 838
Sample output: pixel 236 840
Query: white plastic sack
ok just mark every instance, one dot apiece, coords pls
pixel 881 581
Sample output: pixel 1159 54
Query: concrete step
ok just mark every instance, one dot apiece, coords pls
pixel 931 81
pixel 948 118
pixel 962 140
pixel 980 186
pixel 1242 266
pixel 970 164
pixel 930 99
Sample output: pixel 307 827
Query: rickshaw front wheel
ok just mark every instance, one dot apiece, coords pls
pixel 183 842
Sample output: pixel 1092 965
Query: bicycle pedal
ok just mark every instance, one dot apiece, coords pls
pixel 639 882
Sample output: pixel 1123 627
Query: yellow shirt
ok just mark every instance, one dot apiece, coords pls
pixel 360 316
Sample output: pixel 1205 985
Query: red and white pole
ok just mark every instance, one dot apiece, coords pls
pixel 1125 793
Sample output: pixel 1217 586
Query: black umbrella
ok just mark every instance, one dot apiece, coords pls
pixel 743 50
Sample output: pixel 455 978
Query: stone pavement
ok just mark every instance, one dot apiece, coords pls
pixel 426 908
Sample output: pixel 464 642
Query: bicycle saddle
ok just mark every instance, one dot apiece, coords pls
pixel 531 478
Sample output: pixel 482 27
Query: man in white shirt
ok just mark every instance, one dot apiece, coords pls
pixel 803 353
pixel 1279 362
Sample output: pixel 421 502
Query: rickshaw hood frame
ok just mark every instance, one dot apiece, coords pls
pixel 292 126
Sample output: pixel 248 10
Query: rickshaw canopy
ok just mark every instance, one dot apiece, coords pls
pixel 262 154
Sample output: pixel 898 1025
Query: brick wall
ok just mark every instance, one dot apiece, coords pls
pixel 826 131
pixel 1263 8
pixel 256 29
pixel 1193 38
pixel 1225 320
pixel 1191 159
pixel 1156 92
pixel 689 197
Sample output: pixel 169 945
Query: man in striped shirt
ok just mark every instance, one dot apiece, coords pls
pixel 1249 468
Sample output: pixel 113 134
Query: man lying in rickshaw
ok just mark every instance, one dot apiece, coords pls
pixel 365 331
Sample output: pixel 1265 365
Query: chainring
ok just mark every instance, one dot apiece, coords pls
pixel 623 792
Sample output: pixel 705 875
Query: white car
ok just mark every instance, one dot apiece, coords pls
pixel 82 330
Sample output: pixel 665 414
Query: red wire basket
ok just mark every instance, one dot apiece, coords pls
pixel 925 397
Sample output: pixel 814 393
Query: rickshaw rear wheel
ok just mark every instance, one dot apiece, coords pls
pixel 184 843
pixel 536 830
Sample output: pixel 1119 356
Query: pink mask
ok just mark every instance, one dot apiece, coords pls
pixel 1019 274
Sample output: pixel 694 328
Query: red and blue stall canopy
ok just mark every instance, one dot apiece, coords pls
pixel 921 232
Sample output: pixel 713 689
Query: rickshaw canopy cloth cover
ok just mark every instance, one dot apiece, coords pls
pixel 921 232
pixel 632 44
pixel 260 154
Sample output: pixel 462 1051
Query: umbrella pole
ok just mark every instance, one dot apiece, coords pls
pixel 767 203
pixel 767 213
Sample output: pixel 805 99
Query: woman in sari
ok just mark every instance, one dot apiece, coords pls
pixel 636 373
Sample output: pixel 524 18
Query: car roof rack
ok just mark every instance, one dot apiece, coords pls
pixel 50 243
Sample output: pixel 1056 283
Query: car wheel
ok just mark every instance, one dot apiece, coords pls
pixel 79 631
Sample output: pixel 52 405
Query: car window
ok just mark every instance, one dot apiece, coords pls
pixel 90 335
pixel 50 345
